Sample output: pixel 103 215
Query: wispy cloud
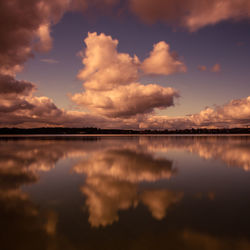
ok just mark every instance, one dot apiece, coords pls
pixel 216 68
pixel 49 60
pixel 202 67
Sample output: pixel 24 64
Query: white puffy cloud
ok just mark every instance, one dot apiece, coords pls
pixel 105 68
pixel 161 61
pixel 110 80
pixel 127 101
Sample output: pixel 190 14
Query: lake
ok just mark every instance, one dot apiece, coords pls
pixel 125 192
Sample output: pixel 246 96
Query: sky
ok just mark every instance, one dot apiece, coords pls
pixel 137 64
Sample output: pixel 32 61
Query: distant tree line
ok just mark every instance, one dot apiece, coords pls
pixel 62 130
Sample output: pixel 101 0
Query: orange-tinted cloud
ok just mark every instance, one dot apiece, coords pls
pixel 105 68
pixel 112 178
pixel 162 62
pixel 111 87
pixel 126 165
pixel 233 151
pixel 202 67
pixel 191 14
pixel 127 101
pixel 158 201
pixel 21 23
pixel 216 68
pixel 236 113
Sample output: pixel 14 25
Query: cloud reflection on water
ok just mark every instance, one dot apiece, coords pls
pixel 232 150
pixel 112 183
pixel 114 168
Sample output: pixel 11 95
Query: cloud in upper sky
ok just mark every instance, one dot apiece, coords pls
pixel 162 62
pixel 202 67
pixel 216 68
pixel 111 79
pixel 25 25
pixel 191 14
pixel 105 68
pixel 49 60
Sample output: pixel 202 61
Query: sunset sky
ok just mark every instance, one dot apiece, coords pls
pixel 140 64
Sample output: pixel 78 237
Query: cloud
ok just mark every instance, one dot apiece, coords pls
pixel 216 68
pixel 191 14
pixel 49 60
pixel 105 68
pixel 127 101
pixel 162 62
pixel 236 113
pixel 112 178
pixel 158 201
pixel 193 239
pixel 105 197
pixel 25 25
pixel 113 92
pixel 202 67
pixel 126 165
pixel 233 151
pixel 19 107
pixel 111 87
pixel 10 86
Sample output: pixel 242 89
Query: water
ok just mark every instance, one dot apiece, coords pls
pixel 125 192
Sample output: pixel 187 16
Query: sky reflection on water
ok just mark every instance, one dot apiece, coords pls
pixel 125 192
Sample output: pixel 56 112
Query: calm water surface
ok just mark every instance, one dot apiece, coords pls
pixel 120 192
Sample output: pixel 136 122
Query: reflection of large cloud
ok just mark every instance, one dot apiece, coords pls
pixel 158 201
pixel 126 165
pixel 112 184
pixel 105 197
pixel 233 150
pixel 199 240
pixel 23 224
pixel 108 193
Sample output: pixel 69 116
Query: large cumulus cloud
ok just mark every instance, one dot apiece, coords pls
pixel 111 86
pixel 127 100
